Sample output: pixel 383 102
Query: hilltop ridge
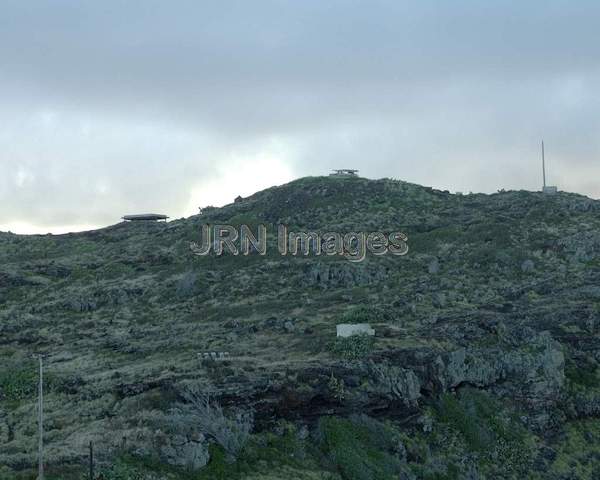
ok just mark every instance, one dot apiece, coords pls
pixel 297 192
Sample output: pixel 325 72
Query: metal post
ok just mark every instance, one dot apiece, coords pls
pixel 91 461
pixel 543 164
pixel 41 422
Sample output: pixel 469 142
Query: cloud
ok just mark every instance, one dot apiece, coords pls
pixel 115 107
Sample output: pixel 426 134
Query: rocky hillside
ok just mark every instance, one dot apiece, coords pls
pixel 484 364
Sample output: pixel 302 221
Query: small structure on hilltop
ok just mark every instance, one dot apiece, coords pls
pixel 349 329
pixel 547 189
pixel 238 199
pixel 148 217
pixel 345 172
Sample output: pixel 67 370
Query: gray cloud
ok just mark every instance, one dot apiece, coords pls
pixel 112 107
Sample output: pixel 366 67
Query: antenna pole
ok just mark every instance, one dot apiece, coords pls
pixel 543 164
pixel 41 423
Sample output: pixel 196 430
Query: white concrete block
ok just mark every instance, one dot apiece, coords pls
pixel 349 329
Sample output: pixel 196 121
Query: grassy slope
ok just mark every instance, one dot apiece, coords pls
pixel 125 309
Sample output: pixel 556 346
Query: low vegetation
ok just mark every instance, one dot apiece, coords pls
pixel 354 347
pixel 484 364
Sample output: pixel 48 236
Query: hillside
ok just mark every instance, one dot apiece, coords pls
pixel 484 363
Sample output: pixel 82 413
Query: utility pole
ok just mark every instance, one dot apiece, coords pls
pixel 91 460
pixel 543 165
pixel 41 422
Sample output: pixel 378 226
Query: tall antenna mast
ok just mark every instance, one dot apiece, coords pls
pixel 543 164
pixel 550 190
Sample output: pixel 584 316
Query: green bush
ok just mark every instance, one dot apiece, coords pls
pixel 354 347
pixel 583 375
pixel 219 468
pixel 265 452
pixel 130 467
pixel 466 419
pixel 488 429
pixel 18 384
pixel 368 314
pixel 122 471
pixel 356 451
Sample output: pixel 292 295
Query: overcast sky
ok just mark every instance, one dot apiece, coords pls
pixel 115 107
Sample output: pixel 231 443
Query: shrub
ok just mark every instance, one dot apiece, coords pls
pixel 229 433
pixel 355 452
pixel 353 347
pixel 464 419
pixel 18 384
pixel 337 387
pixel 127 467
pixel 368 314
pixel 488 429
pixel 584 375
pixel 220 466
pixel 123 471
pixel 187 285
